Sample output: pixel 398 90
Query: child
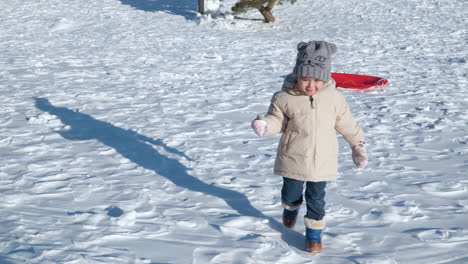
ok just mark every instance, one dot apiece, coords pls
pixel 308 111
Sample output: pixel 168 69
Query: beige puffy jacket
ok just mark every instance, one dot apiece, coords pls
pixel 308 148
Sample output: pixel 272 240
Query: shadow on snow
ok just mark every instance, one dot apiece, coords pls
pixel 137 148
pixel 5 260
pixel 185 8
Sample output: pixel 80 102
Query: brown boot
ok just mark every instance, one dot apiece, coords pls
pixel 313 241
pixel 289 218
pixel 266 12
pixel 313 246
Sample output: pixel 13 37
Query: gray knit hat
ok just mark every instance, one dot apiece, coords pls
pixel 314 59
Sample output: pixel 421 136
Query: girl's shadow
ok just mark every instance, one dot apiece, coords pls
pixel 185 8
pixel 138 149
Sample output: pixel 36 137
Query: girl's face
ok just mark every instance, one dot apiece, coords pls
pixel 309 86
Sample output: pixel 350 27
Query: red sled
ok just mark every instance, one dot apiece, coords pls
pixel 357 81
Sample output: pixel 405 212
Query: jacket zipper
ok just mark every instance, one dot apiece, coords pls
pixel 311 168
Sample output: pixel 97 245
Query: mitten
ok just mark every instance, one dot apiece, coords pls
pixel 359 154
pixel 260 127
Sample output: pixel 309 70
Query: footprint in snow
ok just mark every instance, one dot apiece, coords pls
pixel 434 235
pixel 114 211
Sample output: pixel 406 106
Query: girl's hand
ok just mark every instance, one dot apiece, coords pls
pixel 359 154
pixel 260 127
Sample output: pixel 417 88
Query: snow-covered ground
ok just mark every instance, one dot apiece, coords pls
pixel 125 132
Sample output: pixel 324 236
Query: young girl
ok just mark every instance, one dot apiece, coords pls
pixel 308 111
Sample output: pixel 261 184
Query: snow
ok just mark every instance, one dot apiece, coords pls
pixel 125 132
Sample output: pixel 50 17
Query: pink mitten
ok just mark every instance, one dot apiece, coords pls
pixel 359 154
pixel 260 127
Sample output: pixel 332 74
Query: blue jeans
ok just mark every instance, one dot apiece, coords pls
pixel 291 194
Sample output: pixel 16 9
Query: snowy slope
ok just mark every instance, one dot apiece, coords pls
pixel 125 132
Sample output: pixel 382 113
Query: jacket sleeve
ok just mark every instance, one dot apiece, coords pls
pixel 345 123
pixel 275 119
